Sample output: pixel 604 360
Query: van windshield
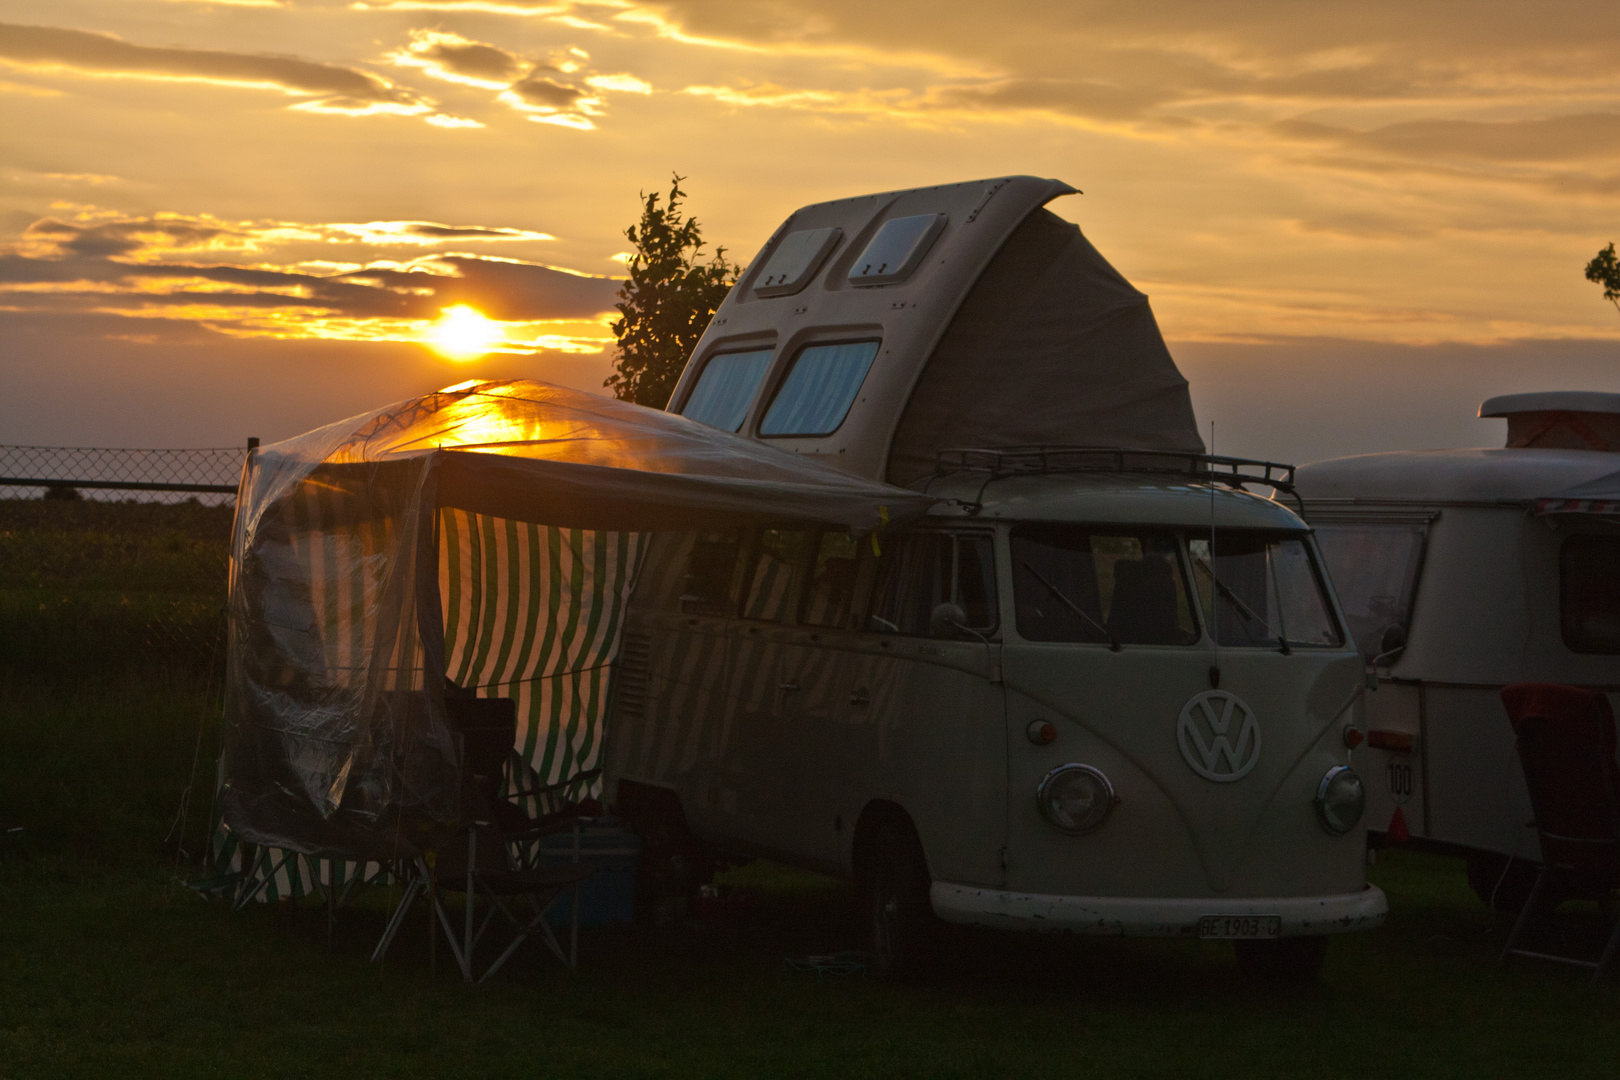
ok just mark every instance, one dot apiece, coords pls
pixel 1075 583
pixel 1262 589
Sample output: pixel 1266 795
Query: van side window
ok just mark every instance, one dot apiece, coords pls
pixel 1077 584
pixel 927 569
pixel 1589 593
pixel 1375 572
pixel 829 594
pixel 778 555
pixel 709 570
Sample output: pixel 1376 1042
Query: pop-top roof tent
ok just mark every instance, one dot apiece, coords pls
pixel 874 332
pixel 486 533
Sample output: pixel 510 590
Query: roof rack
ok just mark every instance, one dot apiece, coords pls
pixel 1035 460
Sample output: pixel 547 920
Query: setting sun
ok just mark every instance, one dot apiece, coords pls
pixel 464 333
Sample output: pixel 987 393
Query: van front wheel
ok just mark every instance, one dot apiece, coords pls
pixel 900 919
pixel 1287 963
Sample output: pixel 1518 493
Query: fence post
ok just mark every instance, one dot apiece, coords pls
pixel 253 443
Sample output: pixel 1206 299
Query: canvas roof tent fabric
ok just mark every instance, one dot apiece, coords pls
pixel 1052 346
pixel 485 532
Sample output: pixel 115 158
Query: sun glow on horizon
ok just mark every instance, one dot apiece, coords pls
pixel 464 333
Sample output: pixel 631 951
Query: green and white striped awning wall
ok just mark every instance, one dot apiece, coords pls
pixel 532 612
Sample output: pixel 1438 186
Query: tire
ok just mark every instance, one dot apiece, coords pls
pixel 1284 964
pixel 901 925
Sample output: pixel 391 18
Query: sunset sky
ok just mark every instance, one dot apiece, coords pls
pixel 245 218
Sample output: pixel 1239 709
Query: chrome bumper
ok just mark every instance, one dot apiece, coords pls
pixel 1146 917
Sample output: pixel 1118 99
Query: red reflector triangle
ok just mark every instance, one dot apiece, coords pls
pixel 1397 833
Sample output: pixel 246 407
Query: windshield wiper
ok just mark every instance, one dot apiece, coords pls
pixel 1113 642
pixel 1243 609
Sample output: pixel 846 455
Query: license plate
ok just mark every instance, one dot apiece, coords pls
pixel 1225 927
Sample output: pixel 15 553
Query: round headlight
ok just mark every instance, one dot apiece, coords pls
pixel 1075 798
pixel 1340 799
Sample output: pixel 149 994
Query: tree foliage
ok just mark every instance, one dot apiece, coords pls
pixel 668 300
pixel 1605 271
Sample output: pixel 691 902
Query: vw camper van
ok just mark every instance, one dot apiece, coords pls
pixel 1104 688
pixel 1462 571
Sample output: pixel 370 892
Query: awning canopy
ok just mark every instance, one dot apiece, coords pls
pixel 530 451
pixel 1600 496
pixel 503 511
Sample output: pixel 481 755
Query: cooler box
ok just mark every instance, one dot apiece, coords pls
pixel 608 897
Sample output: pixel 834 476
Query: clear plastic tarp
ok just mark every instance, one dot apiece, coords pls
pixel 335 732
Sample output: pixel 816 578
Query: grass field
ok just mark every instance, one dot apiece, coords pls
pixel 110 967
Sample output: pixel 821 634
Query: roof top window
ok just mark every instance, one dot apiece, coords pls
pixel 897 250
pixel 726 388
pixel 796 260
pixel 819 389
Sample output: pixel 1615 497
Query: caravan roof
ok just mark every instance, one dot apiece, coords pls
pixel 1451 476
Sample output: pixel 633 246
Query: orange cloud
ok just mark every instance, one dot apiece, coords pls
pixel 100 261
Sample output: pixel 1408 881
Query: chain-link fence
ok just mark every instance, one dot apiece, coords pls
pixel 112 558
pixel 208 475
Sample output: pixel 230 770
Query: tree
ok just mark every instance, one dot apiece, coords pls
pixel 1605 271
pixel 668 301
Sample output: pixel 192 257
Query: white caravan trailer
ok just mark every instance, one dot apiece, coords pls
pixel 1462 571
pixel 1056 705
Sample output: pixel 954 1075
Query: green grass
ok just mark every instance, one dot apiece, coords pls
pixel 119 971
pixel 110 967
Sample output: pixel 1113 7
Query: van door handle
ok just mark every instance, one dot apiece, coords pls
pixel 860 698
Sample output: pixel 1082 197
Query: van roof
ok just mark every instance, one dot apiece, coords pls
pixel 1488 475
pixel 874 331
pixel 1125 498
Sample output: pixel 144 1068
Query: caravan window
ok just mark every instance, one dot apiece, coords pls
pixel 1262 589
pixel 709 568
pixel 1375 572
pixel 1075 584
pixel 1589 593
pixel 726 388
pixel 778 554
pixel 927 569
pixel 819 389
pixel 829 594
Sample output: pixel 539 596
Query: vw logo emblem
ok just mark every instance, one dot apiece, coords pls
pixel 1219 736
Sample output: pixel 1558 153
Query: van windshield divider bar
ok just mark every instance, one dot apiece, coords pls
pixel 1026 460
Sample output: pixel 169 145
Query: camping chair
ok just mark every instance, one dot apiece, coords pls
pixel 1566 745
pixel 477 859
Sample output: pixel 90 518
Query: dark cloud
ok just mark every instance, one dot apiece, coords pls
pixel 1584 137
pixel 91 52
pixel 120 236
pixel 465 232
pixel 1075 96
pixel 475 60
pixel 503 290
pixel 547 93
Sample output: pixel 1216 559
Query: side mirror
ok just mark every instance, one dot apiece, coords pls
pixel 1392 645
pixel 947 620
